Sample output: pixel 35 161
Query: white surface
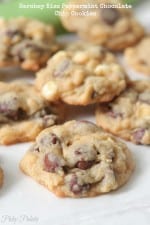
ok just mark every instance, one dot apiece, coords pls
pixel 23 201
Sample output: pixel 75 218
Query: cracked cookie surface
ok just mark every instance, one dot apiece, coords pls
pixel 128 116
pixel 78 159
pixel 82 74
pixel 116 28
pixel 138 57
pixel 24 112
pixel 26 43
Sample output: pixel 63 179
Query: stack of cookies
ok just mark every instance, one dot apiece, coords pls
pixel 77 158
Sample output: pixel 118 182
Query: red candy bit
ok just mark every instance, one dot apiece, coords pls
pixel 138 135
pixel 51 163
pixel 84 165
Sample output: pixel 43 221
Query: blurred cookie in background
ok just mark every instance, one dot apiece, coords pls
pixel 128 116
pixel 82 74
pixel 138 56
pixel 115 28
pixel 27 43
pixel 24 112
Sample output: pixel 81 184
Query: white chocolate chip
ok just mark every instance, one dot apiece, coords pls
pixel 50 91
pixel 102 69
pixel 80 57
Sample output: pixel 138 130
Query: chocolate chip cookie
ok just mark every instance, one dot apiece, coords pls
pixel 26 43
pixel 128 116
pixel 138 57
pixel 24 112
pixel 81 76
pixel 78 159
pixel 1 177
pixel 114 27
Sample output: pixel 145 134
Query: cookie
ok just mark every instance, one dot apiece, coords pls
pixel 24 112
pixel 81 77
pixel 128 116
pixel 78 159
pixel 1 177
pixel 116 28
pixel 26 43
pixel 138 57
pixel 93 53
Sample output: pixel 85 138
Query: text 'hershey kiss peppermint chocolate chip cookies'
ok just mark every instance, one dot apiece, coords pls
pixel 26 43
pixel 128 116
pixel 24 112
pixel 78 159
pixel 116 28
pixel 82 74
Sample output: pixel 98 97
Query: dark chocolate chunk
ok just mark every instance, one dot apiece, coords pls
pixel 76 188
pixel 84 165
pixel 138 135
pixel 109 15
pixel 51 163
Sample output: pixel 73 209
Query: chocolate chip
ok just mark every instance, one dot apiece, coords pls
pixel 20 50
pixel 50 164
pixel 20 114
pixel 36 149
pixel 54 139
pixel 138 135
pixel 77 188
pixel 49 139
pixel 94 94
pixel 84 165
pixel 109 15
pixel 78 152
pixel 13 32
pixel 114 114
pixel 143 62
pixel 61 68
pixel 69 143
pixel 14 114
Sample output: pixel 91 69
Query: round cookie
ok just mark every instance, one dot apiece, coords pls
pixel 81 77
pixel 115 28
pixel 128 116
pixel 138 57
pixel 24 112
pixel 1 177
pixel 78 159
pixel 26 42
